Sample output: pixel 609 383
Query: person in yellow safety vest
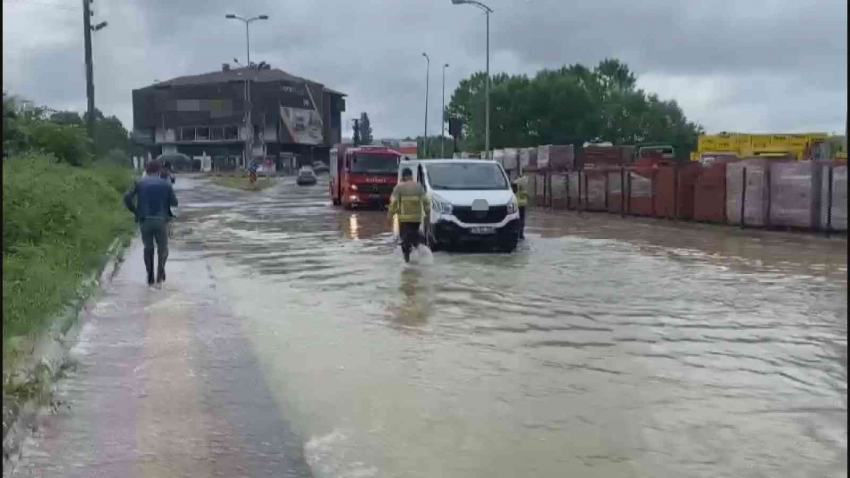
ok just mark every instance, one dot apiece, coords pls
pixel 521 191
pixel 411 203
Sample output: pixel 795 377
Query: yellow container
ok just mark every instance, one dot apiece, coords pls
pixel 724 145
pixel 798 140
pixel 780 140
pixel 706 143
pixel 758 141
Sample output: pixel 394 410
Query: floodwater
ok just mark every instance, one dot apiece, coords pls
pixel 292 340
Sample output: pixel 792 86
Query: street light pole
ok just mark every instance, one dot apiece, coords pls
pixel 427 79
pixel 249 133
pixel 487 11
pixel 247 22
pixel 443 116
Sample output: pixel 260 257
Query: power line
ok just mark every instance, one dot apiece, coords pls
pixel 42 4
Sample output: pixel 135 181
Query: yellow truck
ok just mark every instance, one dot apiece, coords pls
pixel 798 146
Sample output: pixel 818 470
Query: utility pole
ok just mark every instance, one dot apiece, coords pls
pixel 443 117
pixel 87 29
pixel 427 78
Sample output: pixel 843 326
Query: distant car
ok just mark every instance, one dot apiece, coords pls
pixel 320 168
pixel 306 176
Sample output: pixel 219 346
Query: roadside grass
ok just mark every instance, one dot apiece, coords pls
pixel 241 182
pixel 58 222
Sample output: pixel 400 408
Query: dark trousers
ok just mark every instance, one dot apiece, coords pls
pixel 522 222
pixel 155 233
pixel 409 234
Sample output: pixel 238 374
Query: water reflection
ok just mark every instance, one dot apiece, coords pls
pixel 353 227
pixel 415 305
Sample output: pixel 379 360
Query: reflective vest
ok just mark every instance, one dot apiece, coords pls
pixel 522 191
pixel 410 202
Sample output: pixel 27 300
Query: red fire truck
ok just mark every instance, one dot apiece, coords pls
pixel 363 175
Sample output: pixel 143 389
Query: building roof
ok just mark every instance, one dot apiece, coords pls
pixel 237 74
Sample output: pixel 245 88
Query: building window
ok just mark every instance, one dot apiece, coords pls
pixel 231 132
pixel 203 133
pixel 216 133
pixel 187 133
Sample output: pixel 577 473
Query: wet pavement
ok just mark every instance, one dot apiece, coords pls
pixel 291 340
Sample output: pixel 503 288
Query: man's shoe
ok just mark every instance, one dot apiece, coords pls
pixel 148 256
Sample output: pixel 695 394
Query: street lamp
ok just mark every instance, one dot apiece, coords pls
pixel 443 116
pixel 487 11
pixel 427 75
pixel 247 22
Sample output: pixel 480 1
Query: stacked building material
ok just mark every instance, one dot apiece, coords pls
pixel 558 184
pixel 640 185
pixel 499 156
pixel 746 189
pixel 575 185
pixel 674 190
pixel 510 160
pixel 528 158
pixel 594 191
pixel 556 157
pixel 616 186
pixel 595 157
pixel 794 194
pixel 540 189
pixel 710 194
pixel 833 207
pixel 532 187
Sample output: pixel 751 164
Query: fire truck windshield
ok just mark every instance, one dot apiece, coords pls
pixel 374 163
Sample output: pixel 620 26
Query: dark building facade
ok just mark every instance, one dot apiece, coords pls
pixel 208 115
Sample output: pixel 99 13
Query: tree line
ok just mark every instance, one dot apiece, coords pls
pixel 62 134
pixel 571 105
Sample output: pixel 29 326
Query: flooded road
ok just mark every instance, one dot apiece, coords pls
pixel 604 347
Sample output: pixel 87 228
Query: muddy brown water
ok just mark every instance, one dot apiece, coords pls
pixel 604 347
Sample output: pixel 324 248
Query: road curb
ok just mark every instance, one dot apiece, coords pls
pixel 46 358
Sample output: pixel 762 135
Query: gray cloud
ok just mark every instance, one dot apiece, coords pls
pixel 731 65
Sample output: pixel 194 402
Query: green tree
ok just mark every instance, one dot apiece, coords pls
pixel 67 117
pixel 355 134
pixel 571 105
pixel 365 129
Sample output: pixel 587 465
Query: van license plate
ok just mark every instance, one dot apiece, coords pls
pixel 481 230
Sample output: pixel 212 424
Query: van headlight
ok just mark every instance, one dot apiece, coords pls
pixel 512 207
pixel 441 207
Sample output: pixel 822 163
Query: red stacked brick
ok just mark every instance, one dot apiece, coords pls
pixel 710 195
pixel 674 191
pixel 640 185
pixel 617 199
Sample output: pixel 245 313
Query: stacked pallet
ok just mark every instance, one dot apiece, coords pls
pixel 833 201
pixel 747 191
pixel 710 194
pixel 552 157
pixel 794 194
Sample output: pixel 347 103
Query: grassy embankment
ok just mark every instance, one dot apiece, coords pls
pixel 58 222
pixel 240 181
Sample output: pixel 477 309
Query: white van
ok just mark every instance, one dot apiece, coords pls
pixel 471 203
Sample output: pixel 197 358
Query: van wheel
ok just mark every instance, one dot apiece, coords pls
pixel 509 245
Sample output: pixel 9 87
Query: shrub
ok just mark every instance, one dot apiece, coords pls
pixel 58 221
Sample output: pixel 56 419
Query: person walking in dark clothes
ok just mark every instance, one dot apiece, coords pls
pixel 410 202
pixel 151 199
pixel 168 175
pixel 167 172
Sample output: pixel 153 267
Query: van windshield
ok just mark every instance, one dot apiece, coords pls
pixel 374 163
pixel 466 176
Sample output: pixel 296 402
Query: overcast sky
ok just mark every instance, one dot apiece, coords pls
pixel 770 66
